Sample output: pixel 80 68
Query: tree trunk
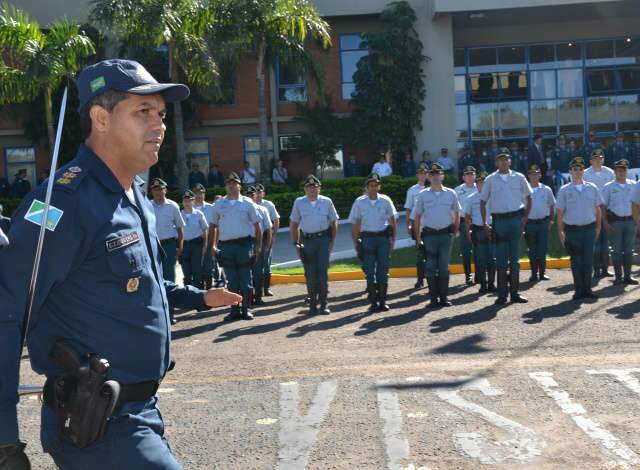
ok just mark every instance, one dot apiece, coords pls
pixel 178 123
pixel 48 114
pixel 262 113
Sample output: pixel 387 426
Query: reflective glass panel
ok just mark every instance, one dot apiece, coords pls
pixel 569 54
pixel 601 81
pixel 350 42
pixel 571 116
pixel 514 84
pixel 462 125
pixel 628 112
pixel 544 117
pixel 542 56
pixel 514 119
pixel 458 61
pixel 511 58
pixel 482 60
pixel 628 51
pixel 348 89
pixel 293 93
pixel 484 119
pixel 569 83
pixel 484 86
pixel 601 114
pixel 543 84
pixel 629 78
pixel 460 84
pixel 350 64
pixel 599 53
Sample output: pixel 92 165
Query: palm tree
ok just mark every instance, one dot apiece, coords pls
pixel 35 62
pixel 181 26
pixel 278 29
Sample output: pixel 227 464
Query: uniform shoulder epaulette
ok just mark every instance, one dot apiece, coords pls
pixel 68 178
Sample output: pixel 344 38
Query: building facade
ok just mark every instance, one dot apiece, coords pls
pixel 500 70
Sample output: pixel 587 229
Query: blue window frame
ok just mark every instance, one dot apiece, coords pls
pixel 351 51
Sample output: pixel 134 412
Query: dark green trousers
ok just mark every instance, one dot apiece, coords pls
pixel 235 258
pixel 484 250
pixel 170 246
pixel 622 240
pixel 377 259
pixel 438 247
pixel 579 244
pixel 316 254
pixel 191 262
pixel 507 239
pixel 537 238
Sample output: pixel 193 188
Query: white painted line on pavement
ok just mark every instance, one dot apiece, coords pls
pixel 590 427
pixel 266 421
pixel 621 375
pixel 396 444
pixel 298 433
pixel 522 446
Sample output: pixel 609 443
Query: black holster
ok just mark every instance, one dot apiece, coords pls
pixel 359 250
pixel 82 397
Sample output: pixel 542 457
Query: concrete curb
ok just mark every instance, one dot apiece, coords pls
pixel 553 263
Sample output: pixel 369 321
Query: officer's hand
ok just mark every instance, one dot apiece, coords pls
pixel 608 227
pixel 178 253
pixel 487 230
pixel 219 297
pixel 12 457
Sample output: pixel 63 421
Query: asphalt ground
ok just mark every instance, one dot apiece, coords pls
pixel 552 384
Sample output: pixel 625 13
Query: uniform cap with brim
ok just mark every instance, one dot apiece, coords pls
pixel 481 176
pixel 158 183
pixel 188 194
pixel 503 154
pixel 233 177
pixel 250 190
pixel 198 187
pixel 578 161
pixel 312 181
pixel 597 153
pixel 622 163
pixel 372 177
pixel 259 187
pixel 436 169
pixel 127 76
pixel 468 170
pixel 423 167
pixel 534 169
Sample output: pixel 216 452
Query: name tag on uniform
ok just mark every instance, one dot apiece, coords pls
pixel 125 240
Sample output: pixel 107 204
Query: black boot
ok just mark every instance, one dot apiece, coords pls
pixel 596 266
pixel 466 263
pixel 617 269
pixel 587 293
pixel 481 274
pixel 605 264
pixel 235 313
pixel 534 270
pixel 542 267
pixel 323 293
pixel 257 297
pixel 502 287
pixel 577 283
pixel 514 281
pixel 246 302
pixel 382 297
pixel 420 281
pixel 628 279
pixel 491 279
pixel 313 299
pixel 443 291
pixel 172 318
pixel 267 286
pixel 372 297
pixel 432 282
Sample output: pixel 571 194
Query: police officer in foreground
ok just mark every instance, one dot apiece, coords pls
pixel 210 271
pixel 275 222
pixel 373 231
pixel 536 231
pixel 436 215
pixel 579 219
pixel 467 188
pixel 100 287
pixel 237 243
pixel 313 228
pixel 600 175
pixel 617 220
pixel 508 194
pixel 196 230
pixel 257 272
pixel 484 250
pixel 412 192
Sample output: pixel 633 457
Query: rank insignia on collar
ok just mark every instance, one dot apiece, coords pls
pixel 132 284
pixel 63 180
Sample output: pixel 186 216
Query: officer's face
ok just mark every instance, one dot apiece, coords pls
pixel 503 164
pixel 534 177
pixel 373 188
pixel 134 130
pixel 576 173
pixel 621 173
pixel 469 178
pixel 312 190
pixel 436 178
pixel 422 176
pixel 232 188
pixel 158 193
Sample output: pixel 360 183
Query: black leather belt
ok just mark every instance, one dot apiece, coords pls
pixel 167 240
pixel 234 241
pixel 508 215
pixel 142 391
pixel 571 228
pixel 537 221
pixel 194 241
pixel 309 236
pixel 382 233
pixel 617 218
pixel 436 231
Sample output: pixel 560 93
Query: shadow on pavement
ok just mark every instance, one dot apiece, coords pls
pixel 553 311
pixel 467 345
pixel 386 322
pixel 179 334
pixel 259 329
pixel 328 325
pixel 625 312
pixel 425 385
pixel 560 290
pixel 485 314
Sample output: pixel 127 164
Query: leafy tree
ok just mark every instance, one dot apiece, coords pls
pixel 390 84
pixel 277 29
pixel 180 25
pixel 34 62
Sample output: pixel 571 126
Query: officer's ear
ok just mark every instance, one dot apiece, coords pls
pixel 100 118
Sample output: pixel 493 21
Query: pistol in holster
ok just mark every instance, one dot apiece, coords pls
pixel 82 397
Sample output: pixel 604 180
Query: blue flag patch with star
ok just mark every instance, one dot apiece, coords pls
pixel 36 211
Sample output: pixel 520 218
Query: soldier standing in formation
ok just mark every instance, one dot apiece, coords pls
pixel 196 229
pixel 600 175
pixel 590 146
pixel 170 227
pixel 373 230
pixel 275 222
pixel 266 226
pixel 436 215
pixel 634 151
pixel 539 223
pixel 237 242
pixel 209 267
pixel 313 227
pixel 484 249
pixel 468 159
pixel 579 219
pixel 508 195
pixel 617 220
pixel 467 188
pixel 560 157
pixel 412 192
pixel 617 151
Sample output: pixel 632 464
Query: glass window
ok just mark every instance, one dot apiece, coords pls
pixel 350 42
pixel 348 89
pixel 628 112
pixel 542 56
pixel 482 60
pixel 569 83
pixel 21 158
pixel 458 61
pixel 484 119
pixel 628 51
pixel 571 116
pixel 543 84
pixel 291 84
pixel 511 58
pixel 601 112
pixel 462 125
pixel 569 54
pixel 349 62
pixel 514 119
pixel 599 53
pixel 460 84
pixel 629 78
pixel 601 81
pixel 484 86
pixel 513 84
pixel 544 117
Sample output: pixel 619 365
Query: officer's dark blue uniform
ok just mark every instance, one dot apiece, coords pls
pixel 100 287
